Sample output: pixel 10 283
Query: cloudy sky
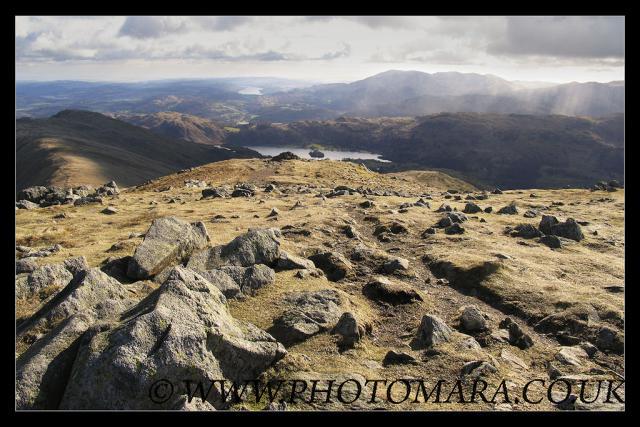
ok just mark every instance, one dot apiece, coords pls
pixel 322 49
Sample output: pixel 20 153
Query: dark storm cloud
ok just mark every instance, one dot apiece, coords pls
pixel 571 37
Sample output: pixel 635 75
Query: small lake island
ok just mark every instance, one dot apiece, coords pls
pixel 316 154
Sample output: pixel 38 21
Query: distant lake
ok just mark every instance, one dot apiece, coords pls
pixel 328 154
pixel 251 91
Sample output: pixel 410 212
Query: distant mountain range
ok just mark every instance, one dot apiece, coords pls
pixel 413 93
pixel 388 94
pixel 81 147
pixel 505 150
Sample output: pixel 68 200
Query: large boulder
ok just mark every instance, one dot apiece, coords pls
pixel 333 264
pixel 91 292
pixel 50 277
pixel 257 246
pixel 182 330
pixel 309 313
pixel 169 241
pixel 43 370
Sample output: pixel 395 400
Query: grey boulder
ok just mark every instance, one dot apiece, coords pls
pixel 181 330
pixel 168 241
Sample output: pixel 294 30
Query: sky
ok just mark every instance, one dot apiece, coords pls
pixel 318 48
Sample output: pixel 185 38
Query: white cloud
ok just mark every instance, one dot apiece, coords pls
pixel 346 47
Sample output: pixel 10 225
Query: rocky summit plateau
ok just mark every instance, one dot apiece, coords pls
pixel 288 269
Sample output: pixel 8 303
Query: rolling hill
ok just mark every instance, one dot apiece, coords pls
pixel 178 126
pixel 82 147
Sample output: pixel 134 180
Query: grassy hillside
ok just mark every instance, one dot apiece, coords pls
pixel 506 150
pixel 178 126
pixel 81 147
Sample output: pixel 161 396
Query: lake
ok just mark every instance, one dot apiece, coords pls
pixel 328 154
pixel 251 91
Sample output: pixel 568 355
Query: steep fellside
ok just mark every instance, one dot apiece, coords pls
pixel 81 147
pixel 506 150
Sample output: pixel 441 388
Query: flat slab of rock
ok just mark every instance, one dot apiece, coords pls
pixel 168 242
pixel 287 261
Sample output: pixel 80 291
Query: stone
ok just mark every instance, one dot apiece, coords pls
pixel 444 208
pixel 350 231
pixel 49 277
pixel 109 210
pixel 333 264
pixel 432 331
pixel 33 194
pixel 488 209
pixel 454 228
pixel 367 204
pixel 546 222
pixel 394 293
pixel 26 204
pixel 526 231
pixel 573 355
pixel 395 264
pixel 251 278
pixel 530 213
pixel 26 265
pixel 398 358
pixel 349 329
pixel 471 208
pixel 42 371
pixel 286 155
pixel 444 222
pixel 87 200
pixel 90 292
pixel 510 209
pixel 428 232
pixel 513 359
pixel 472 319
pixel 607 339
pixel 169 241
pixel 287 261
pixel 517 336
pixel 569 229
pixel 309 313
pixel 274 212
pixel 477 368
pixel 182 330
pixel 76 265
pixel 213 193
pixel 551 241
